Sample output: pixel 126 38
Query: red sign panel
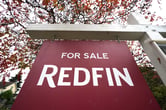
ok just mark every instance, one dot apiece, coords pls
pixel 85 75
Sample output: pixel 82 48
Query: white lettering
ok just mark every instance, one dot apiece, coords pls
pixel 76 77
pixel 49 77
pixel 96 56
pixel 86 56
pixel 92 56
pixel 63 54
pixel 109 77
pixel 77 55
pixel 96 76
pixel 70 55
pixel 105 56
pixel 126 78
pixel 62 75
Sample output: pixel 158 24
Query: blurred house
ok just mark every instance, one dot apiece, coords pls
pixel 8 86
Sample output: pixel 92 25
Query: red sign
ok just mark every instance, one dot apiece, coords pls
pixel 85 75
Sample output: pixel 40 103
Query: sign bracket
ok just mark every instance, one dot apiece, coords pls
pixel 148 35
